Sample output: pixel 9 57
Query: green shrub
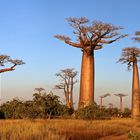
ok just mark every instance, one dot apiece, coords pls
pixel 42 106
pixel 133 136
pixel 92 112
pixel 127 113
pixel 2 115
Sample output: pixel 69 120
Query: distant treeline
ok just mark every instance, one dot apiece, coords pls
pixel 46 106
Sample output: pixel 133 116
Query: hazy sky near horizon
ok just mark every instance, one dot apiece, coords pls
pixel 27 28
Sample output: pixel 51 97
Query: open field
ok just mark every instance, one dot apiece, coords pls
pixel 117 129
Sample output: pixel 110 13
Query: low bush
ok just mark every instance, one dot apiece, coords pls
pixel 92 112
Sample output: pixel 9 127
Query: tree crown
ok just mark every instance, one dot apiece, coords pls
pixel 120 94
pixel 105 95
pixel 137 36
pixel 67 77
pixel 130 55
pixel 14 62
pixel 91 35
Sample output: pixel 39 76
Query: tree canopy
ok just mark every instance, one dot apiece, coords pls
pixel 4 59
pixel 130 55
pixel 93 34
pixel 137 36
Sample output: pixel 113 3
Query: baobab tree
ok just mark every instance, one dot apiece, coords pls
pixel 120 95
pixel 131 56
pixel 110 105
pixel 6 59
pixel 89 38
pixel 101 99
pixel 39 90
pixel 68 80
pixel 137 36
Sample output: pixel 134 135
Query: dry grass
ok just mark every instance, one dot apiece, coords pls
pixel 67 129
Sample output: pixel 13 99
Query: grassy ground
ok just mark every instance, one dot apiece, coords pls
pixel 117 129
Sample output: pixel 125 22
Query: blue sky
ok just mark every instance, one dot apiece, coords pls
pixel 27 28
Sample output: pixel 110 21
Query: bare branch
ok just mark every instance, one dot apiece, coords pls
pixel 5 59
pixel 74 44
pixel 98 47
pixel 92 36
pixel 111 41
pixel 76 22
pixel 17 61
pixel 137 36
pixel 61 86
pixel 6 70
pixel 62 37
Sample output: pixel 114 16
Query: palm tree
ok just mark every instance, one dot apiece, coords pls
pixel 131 56
pixel 89 38
pixel 120 95
pixel 101 99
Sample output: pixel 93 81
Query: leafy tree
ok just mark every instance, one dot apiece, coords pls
pixel 6 59
pixel 131 56
pixel 2 115
pixel 127 113
pixel 89 38
pixel 67 78
pixel 27 110
pixel 114 112
pixel 92 112
pixel 42 106
pixel 47 105
pixel 11 108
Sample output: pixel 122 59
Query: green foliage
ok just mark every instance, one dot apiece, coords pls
pixel 42 106
pixel 2 115
pixel 114 112
pixel 127 113
pixel 49 106
pixel 92 112
pixel 133 136
pixel 10 108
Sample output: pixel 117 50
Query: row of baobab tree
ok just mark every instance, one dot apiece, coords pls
pixel 92 36
pixel 69 101
pixel 120 95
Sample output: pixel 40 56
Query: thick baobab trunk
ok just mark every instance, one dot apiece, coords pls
pixel 120 103
pixel 87 80
pixel 135 93
pixel 71 101
pixel 67 99
pixel 71 95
